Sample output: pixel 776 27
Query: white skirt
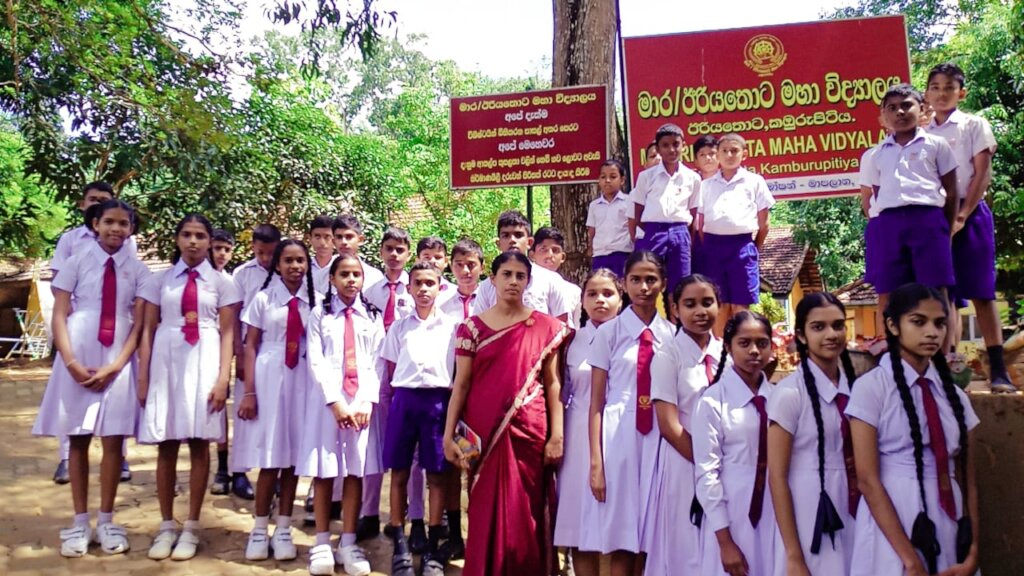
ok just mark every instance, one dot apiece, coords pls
pixel 326 451
pixel 875 556
pixel 675 548
pixel 573 476
pixel 630 459
pixel 70 409
pixel 272 439
pixel 181 377
pixel 757 544
pixel 806 488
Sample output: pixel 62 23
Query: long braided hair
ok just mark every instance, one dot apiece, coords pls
pixel 828 521
pixel 902 301
pixel 277 261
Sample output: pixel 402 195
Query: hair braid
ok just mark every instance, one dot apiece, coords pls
pixel 812 391
pixel 847 363
pixel 270 274
pixel 328 298
pixel 721 366
pixel 911 411
pixel 310 291
pixel 955 402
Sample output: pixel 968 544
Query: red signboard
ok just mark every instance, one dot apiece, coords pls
pixel 545 137
pixel 806 97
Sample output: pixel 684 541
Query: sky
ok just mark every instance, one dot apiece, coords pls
pixel 503 38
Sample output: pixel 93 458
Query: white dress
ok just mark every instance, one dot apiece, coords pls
pixel 272 439
pixel 630 458
pixel 678 378
pixel 67 407
pixel 327 451
pixel 181 375
pixel 876 401
pixel 574 474
pixel 725 449
pixel 790 407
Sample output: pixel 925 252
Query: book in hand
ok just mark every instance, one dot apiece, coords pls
pixel 469 442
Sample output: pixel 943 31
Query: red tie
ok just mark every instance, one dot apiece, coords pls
pixel 108 310
pixel 465 305
pixel 190 308
pixel 938 444
pixel 853 494
pixel 709 367
pixel 644 407
pixel 757 498
pixel 351 382
pixel 389 309
pixel 292 333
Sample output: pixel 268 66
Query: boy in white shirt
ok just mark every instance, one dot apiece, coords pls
pixel 548 251
pixel 608 220
pixel 348 239
pixel 321 244
pixel 467 262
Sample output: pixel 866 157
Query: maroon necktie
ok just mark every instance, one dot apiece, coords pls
pixel 351 382
pixel 389 308
pixel 709 367
pixel 853 494
pixel 108 309
pixel 465 305
pixel 939 449
pixel 292 334
pixel 190 308
pixel 644 407
pixel 757 498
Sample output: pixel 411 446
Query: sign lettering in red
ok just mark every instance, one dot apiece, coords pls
pixel 806 97
pixel 554 136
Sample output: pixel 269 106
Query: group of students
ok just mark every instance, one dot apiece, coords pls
pixel 676 455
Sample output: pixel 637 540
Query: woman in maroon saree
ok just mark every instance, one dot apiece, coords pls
pixel 507 391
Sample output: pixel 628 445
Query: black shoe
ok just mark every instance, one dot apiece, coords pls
pixel 126 472
pixel 221 483
pixel 60 475
pixel 392 531
pixel 456 545
pixel 368 527
pixel 418 537
pixel 401 560
pixel 241 487
pixel 433 564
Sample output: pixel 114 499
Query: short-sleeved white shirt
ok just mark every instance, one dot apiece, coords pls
pixel 321 275
pixel 610 223
pixel 790 407
pixel 615 350
pixel 667 198
pixel 325 345
pixel 453 306
pixel 911 175
pixel 249 277
pixel 731 207
pixel 678 375
pixel 543 294
pixel 867 166
pixel 876 401
pixel 83 274
pixel 371 274
pixel 216 290
pixel 268 312
pixel 968 135
pixel 77 239
pixel 422 350
pixel 378 295
pixel 572 296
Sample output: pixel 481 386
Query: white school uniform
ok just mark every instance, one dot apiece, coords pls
pixel 378 295
pixel 249 277
pixel 67 407
pixel 328 451
pixel 875 401
pixel 790 407
pixel 543 293
pixel 910 174
pixel 629 457
pixel 272 439
pixel 574 474
pixel 572 296
pixel 182 375
pixel 454 306
pixel 666 198
pixel 321 274
pixel 371 274
pixel 610 223
pixel 78 239
pixel 725 449
pixel 730 207
pixel 423 351
pixel 864 178
pixel 968 135
pixel 678 377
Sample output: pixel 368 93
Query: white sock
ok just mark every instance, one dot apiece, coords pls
pixel 262 522
pixel 284 522
pixel 81 519
pixel 323 538
pixel 105 518
pixel 348 539
pixel 168 526
pixel 191 526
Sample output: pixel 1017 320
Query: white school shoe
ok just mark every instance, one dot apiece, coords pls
pixel 281 542
pixel 321 560
pixel 74 541
pixel 163 545
pixel 258 547
pixel 353 560
pixel 113 538
pixel 186 547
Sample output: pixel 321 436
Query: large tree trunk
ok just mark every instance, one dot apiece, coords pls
pixel 584 53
